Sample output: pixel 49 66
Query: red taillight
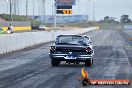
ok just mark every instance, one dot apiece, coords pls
pixel 88 49
pixel 52 48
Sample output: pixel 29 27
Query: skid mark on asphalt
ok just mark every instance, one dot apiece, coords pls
pixel 11 63
pixel 19 74
pixel 58 81
pixel 22 77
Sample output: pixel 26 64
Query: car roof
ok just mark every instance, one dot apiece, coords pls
pixel 69 35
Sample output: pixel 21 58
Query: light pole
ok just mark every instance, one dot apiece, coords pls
pixel 7 1
pixel 78 12
pixel 27 10
pixel 33 9
pixel 44 12
pixel 18 6
pixel 15 7
pixel 11 18
pixel 93 10
pixel 54 13
pixel 89 10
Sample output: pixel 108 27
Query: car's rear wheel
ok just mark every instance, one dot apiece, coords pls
pixel 89 63
pixel 54 62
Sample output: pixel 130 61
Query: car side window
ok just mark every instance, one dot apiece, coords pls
pixel 57 40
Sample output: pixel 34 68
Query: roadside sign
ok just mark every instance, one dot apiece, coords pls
pixel 65 2
pixel 64 11
pixel 67 11
pixel 64 7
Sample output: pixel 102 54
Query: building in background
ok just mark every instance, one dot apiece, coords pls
pixel 62 18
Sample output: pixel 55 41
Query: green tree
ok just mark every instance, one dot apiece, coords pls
pixel 106 19
pixel 125 19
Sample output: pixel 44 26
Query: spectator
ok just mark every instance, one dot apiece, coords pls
pixel 10 29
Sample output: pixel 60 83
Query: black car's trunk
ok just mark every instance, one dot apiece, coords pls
pixel 70 48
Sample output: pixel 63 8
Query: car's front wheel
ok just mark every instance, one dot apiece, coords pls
pixel 89 63
pixel 54 62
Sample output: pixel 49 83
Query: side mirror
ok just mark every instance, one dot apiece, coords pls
pixel 55 42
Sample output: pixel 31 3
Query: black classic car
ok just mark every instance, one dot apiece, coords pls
pixel 72 49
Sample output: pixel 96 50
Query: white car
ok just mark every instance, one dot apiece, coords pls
pixel 42 27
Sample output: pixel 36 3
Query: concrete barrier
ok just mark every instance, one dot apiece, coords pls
pixel 20 28
pixel 17 41
pixel 18 25
pixel 110 26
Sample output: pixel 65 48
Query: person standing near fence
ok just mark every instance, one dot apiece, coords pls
pixel 10 29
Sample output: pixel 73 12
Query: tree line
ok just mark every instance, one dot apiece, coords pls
pixel 123 19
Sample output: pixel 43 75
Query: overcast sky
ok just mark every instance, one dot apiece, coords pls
pixel 112 8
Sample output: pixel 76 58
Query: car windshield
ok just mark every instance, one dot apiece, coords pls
pixel 42 26
pixel 72 40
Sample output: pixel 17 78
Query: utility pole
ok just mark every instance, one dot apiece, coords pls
pixel 27 10
pixel 55 14
pixel 7 1
pixel 78 11
pixel 10 10
pixel 11 18
pixel 14 7
pixel 33 9
pixel 89 10
pixel 44 12
pixel 17 6
pixel 93 10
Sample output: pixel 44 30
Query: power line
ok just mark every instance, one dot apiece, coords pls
pixel 113 6
pixel 114 3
